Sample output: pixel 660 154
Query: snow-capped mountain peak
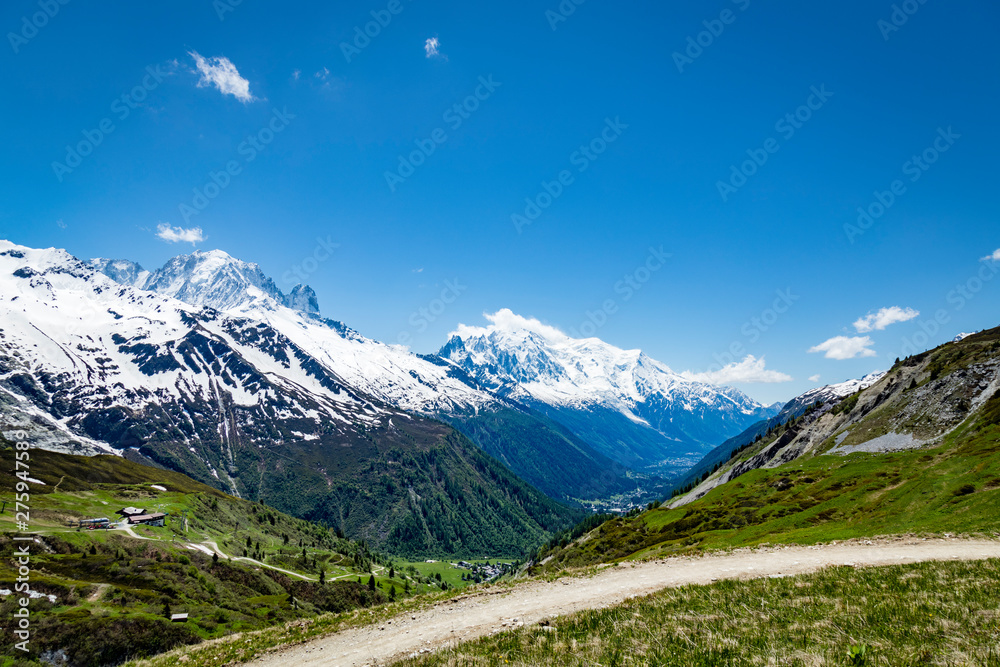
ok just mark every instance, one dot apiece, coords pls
pixel 389 373
pixel 530 361
pixel 551 366
pixel 838 390
pixel 212 278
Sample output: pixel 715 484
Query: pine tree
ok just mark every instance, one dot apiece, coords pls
pixel 392 572
pixel 371 583
pixel 322 575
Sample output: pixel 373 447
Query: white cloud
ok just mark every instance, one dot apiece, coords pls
pixel 432 46
pixel 995 257
pixel 222 73
pixel 420 270
pixel 507 321
pixel 178 234
pixel 323 74
pixel 296 74
pixel 814 378
pixel 842 347
pixel 883 318
pixel 61 224
pixel 750 370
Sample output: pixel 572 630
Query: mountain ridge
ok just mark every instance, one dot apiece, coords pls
pixel 790 410
pixel 212 278
pixel 634 408
pixel 89 365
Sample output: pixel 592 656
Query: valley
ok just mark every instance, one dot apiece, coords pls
pixel 314 351
pixel 322 486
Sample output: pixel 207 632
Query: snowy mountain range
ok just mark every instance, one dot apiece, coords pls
pixel 88 365
pixel 387 372
pixel 190 362
pixel 634 409
pixel 138 339
pixel 667 420
pixel 212 279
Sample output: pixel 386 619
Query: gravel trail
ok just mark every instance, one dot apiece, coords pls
pixel 485 612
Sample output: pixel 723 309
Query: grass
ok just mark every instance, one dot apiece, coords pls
pixel 251 645
pixel 449 573
pixel 937 613
pixel 112 590
pixel 954 487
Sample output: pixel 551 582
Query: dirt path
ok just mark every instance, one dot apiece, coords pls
pixel 98 592
pixel 486 612
pixel 209 547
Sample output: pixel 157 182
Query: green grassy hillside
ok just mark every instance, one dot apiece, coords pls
pixel 110 590
pixel 952 488
pixel 952 485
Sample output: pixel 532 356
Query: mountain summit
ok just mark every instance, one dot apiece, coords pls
pixel 213 279
pixel 636 408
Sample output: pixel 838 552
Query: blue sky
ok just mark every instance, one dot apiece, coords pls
pixel 640 136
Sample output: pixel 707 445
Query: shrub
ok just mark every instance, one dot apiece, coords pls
pixel 110 641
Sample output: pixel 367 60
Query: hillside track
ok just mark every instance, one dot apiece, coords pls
pixel 486 612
